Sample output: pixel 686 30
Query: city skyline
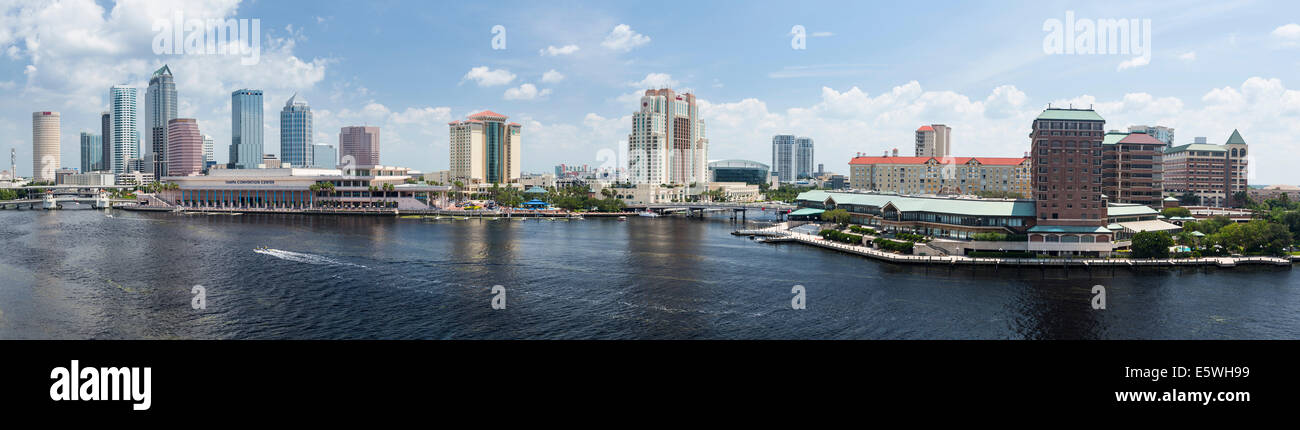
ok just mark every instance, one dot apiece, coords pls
pixel 868 105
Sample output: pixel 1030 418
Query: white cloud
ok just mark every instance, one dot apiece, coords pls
pixel 655 80
pixel 1187 56
pixel 72 51
pixel 486 77
pixel 552 51
pixel 413 130
pixel 623 38
pixel 552 76
pixel 1290 32
pixel 845 122
pixel 1133 63
pixel 526 92
pixel 822 34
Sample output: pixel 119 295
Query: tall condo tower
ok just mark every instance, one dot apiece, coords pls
pixel 667 144
pixel 125 134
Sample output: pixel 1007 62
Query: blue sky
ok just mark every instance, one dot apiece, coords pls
pixel 870 74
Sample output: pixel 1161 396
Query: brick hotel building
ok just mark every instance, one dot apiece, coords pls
pixel 1066 146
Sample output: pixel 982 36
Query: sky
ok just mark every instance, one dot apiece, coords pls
pixel 865 75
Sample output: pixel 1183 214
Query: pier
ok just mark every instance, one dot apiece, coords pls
pixel 779 233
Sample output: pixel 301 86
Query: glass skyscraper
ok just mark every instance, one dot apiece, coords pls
pixel 295 133
pixel 92 151
pixel 106 140
pixel 125 134
pixel 246 129
pixel 324 156
pixel 159 108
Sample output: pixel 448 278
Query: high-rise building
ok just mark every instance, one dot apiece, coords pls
pixel 1159 132
pixel 324 156
pixel 246 129
pixel 159 109
pixel 934 140
pixel 45 145
pixel 668 143
pixel 1067 157
pixel 803 158
pixel 1212 174
pixel 295 133
pixel 91 152
pixel 106 140
pixel 485 149
pixel 208 155
pixel 783 157
pixel 184 147
pixel 125 134
pixel 359 146
pixel 1131 165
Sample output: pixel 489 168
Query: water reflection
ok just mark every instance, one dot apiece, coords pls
pixel 82 274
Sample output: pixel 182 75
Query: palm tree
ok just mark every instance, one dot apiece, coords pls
pixel 457 186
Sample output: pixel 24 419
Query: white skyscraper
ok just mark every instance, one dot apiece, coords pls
pixel 207 150
pixel 45 145
pixel 667 144
pixel 126 135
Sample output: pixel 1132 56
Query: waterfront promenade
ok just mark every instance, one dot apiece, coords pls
pixel 781 233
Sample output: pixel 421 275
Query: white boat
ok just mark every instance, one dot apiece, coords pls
pixel 649 214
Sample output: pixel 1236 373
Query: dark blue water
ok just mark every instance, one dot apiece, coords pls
pixel 81 274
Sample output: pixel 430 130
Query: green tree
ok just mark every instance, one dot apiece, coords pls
pixel 1176 212
pixel 996 194
pixel 838 216
pixel 1151 244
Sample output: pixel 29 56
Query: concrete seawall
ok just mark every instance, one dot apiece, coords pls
pixel 779 234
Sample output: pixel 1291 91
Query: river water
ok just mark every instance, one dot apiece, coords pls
pixel 83 274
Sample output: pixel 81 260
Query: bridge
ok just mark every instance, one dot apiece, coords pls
pixel 55 200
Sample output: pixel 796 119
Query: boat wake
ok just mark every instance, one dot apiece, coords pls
pixel 304 258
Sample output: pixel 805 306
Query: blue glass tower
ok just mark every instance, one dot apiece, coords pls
pixel 295 133
pixel 246 129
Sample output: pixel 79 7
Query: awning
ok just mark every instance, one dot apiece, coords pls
pixel 1151 225
pixel 807 212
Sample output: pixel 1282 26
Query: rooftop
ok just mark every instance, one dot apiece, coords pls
pixel 1070 114
pixel 1236 138
pixel 1113 137
pixel 737 163
pixel 1139 138
pixel 992 161
pixel 1196 147
pixel 975 207
pixel 487 114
